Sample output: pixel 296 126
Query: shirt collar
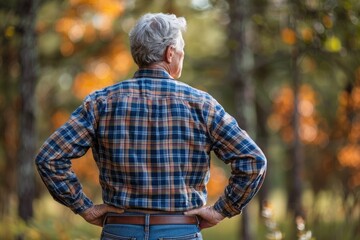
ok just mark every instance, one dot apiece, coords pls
pixel 152 73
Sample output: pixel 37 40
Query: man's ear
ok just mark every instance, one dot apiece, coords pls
pixel 169 53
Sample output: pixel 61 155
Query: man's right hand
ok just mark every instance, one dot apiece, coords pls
pixel 209 217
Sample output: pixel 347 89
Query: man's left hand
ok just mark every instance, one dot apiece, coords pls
pixel 95 214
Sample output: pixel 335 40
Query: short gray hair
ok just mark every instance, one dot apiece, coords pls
pixel 152 34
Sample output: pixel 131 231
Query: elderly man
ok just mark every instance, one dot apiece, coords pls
pixel 151 137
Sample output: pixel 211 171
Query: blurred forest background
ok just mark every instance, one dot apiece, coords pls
pixel 289 70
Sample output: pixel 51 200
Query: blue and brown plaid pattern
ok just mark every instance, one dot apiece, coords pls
pixel 151 137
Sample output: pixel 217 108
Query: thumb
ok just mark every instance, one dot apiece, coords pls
pixel 193 211
pixel 109 208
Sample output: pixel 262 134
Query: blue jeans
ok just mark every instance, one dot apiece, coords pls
pixel 150 232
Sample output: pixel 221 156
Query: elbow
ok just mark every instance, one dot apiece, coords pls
pixel 40 162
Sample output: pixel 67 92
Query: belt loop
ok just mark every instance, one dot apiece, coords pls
pixel 147 226
pixel 104 220
pixel 197 220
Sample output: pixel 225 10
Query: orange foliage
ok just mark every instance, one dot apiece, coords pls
pixel 217 182
pixel 343 99
pixel 85 22
pixel 59 118
pixel 85 168
pixel 288 36
pixel 349 104
pixel 355 180
pixel 281 118
pixel 87 82
pixel 112 8
pixel 85 17
pixel 67 48
pixel 327 21
pixel 354 134
pixel 307 34
pixel 103 71
pixel 349 156
pixel 355 98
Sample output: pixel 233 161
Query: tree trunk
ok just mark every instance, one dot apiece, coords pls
pixel 241 62
pixel 297 157
pixel 8 124
pixel 297 153
pixel 262 136
pixel 27 142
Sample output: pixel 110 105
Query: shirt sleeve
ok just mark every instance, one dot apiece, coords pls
pixel 72 140
pixel 248 163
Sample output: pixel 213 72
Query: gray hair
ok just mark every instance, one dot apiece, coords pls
pixel 152 34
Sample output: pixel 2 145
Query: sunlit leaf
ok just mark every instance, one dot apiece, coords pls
pixel 349 156
pixel 307 34
pixel 327 21
pixel 288 36
pixel 67 48
pixel 333 44
pixel 9 31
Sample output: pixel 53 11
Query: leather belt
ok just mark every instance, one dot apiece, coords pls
pixel 153 219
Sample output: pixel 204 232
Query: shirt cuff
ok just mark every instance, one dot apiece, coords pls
pixel 81 207
pixel 226 208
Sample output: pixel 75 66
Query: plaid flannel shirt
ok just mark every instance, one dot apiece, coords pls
pixel 151 138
